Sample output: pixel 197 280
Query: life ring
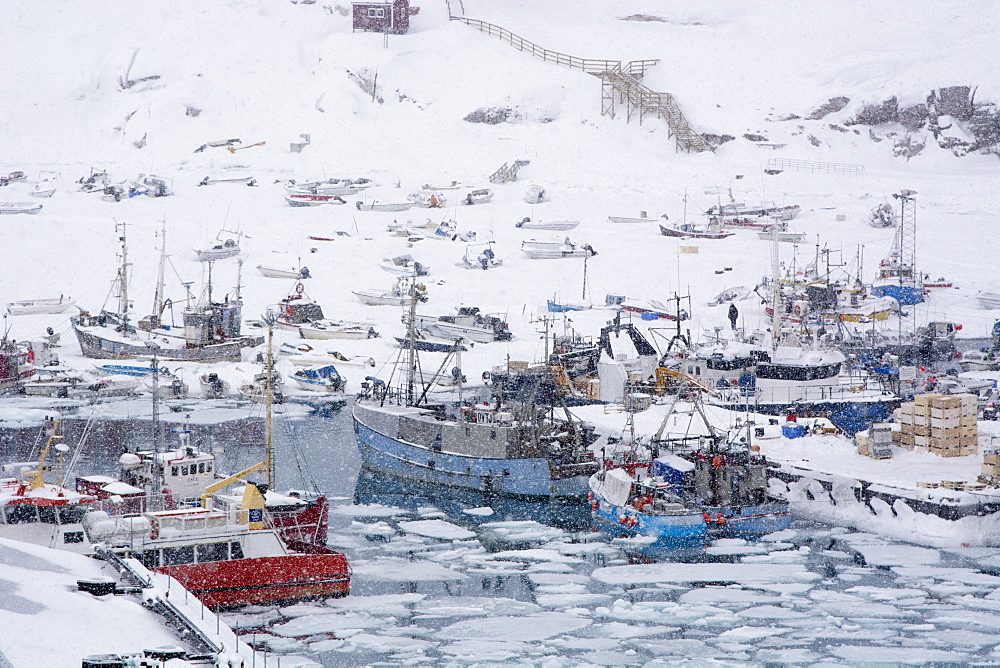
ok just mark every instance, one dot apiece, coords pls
pixel 720 520
pixel 708 518
pixel 299 288
pixel 797 309
pixel 594 504
pixel 288 310
pixel 622 519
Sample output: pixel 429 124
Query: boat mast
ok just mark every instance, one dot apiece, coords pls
pixel 123 277
pixel 411 338
pixel 158 294
pixel 268 402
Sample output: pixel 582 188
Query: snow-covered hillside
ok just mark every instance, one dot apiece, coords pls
pixel 272 71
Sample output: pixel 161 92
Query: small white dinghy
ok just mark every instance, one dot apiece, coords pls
pixel 555 225
pixel 295 274
pixel 545 250
pixel 31 306
pixel 20 207
pixel 333 329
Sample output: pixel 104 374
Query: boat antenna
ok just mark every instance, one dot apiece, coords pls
pixel 154 367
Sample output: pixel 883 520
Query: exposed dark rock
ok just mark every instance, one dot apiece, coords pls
pixel 874 137
pixel 913 118
pixel 753 137
pixel 491 115
pixel 877 114
pixel 643 17
pixel 717 140
pixel 815 141
pixel 907 147
pixel 838 128
pixel 954 101
pixel 830 106
pixel 985 127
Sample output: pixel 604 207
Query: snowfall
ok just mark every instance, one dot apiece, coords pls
pixel 134 89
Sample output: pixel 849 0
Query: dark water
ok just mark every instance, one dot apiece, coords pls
pixel 523 587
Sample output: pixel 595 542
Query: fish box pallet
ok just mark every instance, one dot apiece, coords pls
pixel 944 425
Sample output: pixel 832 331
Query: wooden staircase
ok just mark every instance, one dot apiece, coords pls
pixel 507 172
pixel 619 85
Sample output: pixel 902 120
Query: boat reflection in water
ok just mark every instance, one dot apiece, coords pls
pixel 374 487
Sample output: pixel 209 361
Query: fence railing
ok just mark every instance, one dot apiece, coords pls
pixel 780 164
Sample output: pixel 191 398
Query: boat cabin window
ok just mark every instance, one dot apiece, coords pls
pixel 175 556
pixel 236 550
pixel 213 552
pixel 184 470
pixel 20 514
pixel 47 514
pixel 71 514
pixel 493 434
pixel 149 558
pixel 73 537
pixel 174 471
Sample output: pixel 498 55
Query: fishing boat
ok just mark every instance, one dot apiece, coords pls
pixel 404 265
pixel 535 194
pixel 427 343
pixel 883 216
pixel 320 378
pixel 691 231
pixel 519 450
pixel 131 370
pixel 897 275
pixel 555 225
pixel 313 199
pixel 294 311
pixel 652 309
pixel 46 305
pixel 46 184
pixel 213 386
pixel 740 211
pixel 628 220
pixel 480 256
pixel 210 332
pixel 698 485
pixel 220 249
pixel 16 365
pixel 782 236
pixel 467 323
pixel 478 196
pixel 299 274
pixel 327 188
pixel 336 329
pixel 20 207
pixel 397 295
pixel 546 250
pixel 375 205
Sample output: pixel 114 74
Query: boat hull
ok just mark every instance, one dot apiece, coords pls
pixel 227 584
pixel 528 477
pixel 97 347
pixel 686 529
pixel 690 234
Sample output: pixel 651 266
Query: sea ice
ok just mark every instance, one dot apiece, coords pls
pixel 328 622
pixel 530 628
pixel 737 573
pixel 436 528
pixel 370 510
pixel 750 633
pixel 869 654
pixel 898 555
pixel 400 570
pixel 384 604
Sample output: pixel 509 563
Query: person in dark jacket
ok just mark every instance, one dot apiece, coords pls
pixel 734 314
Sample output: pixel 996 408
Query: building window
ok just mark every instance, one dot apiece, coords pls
pixel 376 13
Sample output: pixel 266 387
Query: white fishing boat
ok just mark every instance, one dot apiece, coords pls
pixel 546 250
pixel 480 256
pixel 20 207
pixel 554 225
pixel 328 188
pixel 46 184
pixel 535 194
pixel 32 306
pixel 294 274
pixel 375 205
pixel 397 295
pixel 324 378
pixel 221 249
pixel 404 265
pixel 307 199
pixel 628 220
pixel 782 236
pixel 337 329
pixel 213 386
pixel 294 311
pixel 989 300
pixel 468 323
pixel 478 196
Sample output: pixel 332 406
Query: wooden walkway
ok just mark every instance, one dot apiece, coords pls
pixel 620 85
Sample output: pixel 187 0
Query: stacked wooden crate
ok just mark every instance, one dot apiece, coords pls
pixel 942 424
pixel 991 463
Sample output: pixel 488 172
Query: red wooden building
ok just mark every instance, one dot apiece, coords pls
pixel 390 16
